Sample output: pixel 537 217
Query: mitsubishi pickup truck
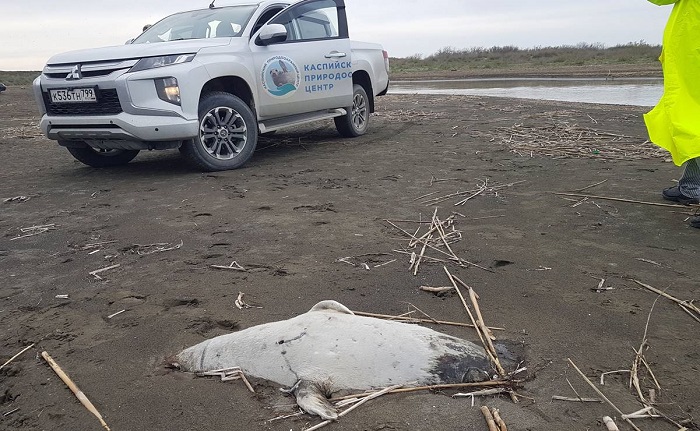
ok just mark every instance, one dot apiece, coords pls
pixel 210 81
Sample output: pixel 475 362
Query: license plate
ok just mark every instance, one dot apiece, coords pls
pixel 73 95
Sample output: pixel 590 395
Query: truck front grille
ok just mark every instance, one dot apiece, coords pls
pixel 107 104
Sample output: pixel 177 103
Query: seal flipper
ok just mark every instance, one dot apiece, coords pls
pixel 312 399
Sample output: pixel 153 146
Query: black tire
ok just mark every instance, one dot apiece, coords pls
pixel 228 133
pixel 102 158
pixel 356 121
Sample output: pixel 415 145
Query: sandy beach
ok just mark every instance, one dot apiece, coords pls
pixel 314 216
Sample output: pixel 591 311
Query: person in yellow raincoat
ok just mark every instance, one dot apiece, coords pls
pixel 674 123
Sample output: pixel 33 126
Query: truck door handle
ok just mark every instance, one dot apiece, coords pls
pixel 335 54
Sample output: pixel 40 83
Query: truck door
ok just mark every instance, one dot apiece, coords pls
pixel 311 70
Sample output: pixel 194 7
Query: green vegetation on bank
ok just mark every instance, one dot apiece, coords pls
pixel 638 56
pixel 632 59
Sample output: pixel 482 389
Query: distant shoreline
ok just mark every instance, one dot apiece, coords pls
pixel 18 78
pixel 592 71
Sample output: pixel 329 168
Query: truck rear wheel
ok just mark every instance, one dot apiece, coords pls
pixel 356 121
pixel 102 158
pixel 228 133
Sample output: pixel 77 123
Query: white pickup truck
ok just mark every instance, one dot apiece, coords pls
pixel 210 81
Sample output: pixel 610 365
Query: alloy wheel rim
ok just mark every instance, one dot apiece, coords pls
pixel 359 112
pixel 222 132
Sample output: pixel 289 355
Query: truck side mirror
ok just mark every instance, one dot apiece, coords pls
pixel 271 33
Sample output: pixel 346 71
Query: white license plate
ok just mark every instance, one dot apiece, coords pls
pixel 73 95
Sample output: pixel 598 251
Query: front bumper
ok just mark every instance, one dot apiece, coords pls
pixel 128 112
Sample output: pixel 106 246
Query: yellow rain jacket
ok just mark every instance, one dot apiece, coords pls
pixel 674 123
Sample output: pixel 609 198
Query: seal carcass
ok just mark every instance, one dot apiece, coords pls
pixel 329 348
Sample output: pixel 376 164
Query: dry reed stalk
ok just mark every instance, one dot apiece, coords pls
pixel 499 421
pixel 74 388
pixel 602 375
pixel 610 424
pixel 591 186
pixel 482 392
pixel 487 384
pixel 578 399
pixel 490 422
pixel 436 289
pixel 418 320
pixel 16 356
pixel 600 394
pixel 564 140
pixel 469 313
pixel 621 200
pixel 485 335
pixel 356 405
pixel 98 271
pixel 232 266
pixel 458 260
pixel 688 306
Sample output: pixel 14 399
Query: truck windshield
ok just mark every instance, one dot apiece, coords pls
pixel 199 24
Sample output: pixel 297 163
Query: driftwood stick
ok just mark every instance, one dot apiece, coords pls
pixel 420 256
pixel 246 382
pixel 489 419
pixel 591 186
pixel 426 235
pixel 16 356
pixel 481 392
pixel 482 330
pixel 459 260
pixel 685 304
pixel 419 320
pixel 487 384
pixel 621 200
pixel 356 405
pixel 469 312
pixel 488 335
pixel 610 424
pixel 600 394
pixel 602 375
pixel 107 268
pixel 500 422
pixel 436 289
pixel 651 373
pixel 578 399
pixel 74 388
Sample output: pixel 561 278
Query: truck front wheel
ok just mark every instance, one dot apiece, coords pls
pixel 228 133
pixel 102 158
pixel 356 121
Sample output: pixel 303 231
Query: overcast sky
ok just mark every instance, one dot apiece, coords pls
pixel 33 30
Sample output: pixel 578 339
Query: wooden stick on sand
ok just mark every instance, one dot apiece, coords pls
pixel 76 391
pixel 497 417
pixel 358 404
pixel 419 320
pixel 590 383
pixel 490 421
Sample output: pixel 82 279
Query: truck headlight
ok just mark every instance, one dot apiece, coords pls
pixel 168 90
pixel 165 60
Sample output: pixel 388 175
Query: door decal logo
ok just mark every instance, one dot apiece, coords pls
pixel 280 76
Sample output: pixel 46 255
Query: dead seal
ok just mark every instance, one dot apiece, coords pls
pixel 329 348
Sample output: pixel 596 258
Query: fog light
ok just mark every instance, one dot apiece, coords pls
pixel 168 90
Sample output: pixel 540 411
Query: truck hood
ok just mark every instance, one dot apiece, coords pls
pixel 125 52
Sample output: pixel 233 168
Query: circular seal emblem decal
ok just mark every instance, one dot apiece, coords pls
pixel 280 76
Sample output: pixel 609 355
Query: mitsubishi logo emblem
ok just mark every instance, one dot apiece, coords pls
pixel 75 74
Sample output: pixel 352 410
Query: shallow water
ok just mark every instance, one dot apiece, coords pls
pixel 629 91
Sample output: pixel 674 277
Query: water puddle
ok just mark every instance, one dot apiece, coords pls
pixel 628 91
